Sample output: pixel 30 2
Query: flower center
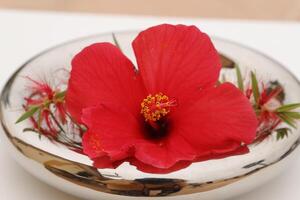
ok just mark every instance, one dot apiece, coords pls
pixel 154 107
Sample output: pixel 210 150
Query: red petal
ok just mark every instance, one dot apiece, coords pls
pixel 116 128
pixel 101 73
pixel 240 150
pixel 122 135
pixel 91 145
pixel 176 60
pixel 165 153
pixel 150 169
pixel 236 149
pixel 218 122
pixel 106 162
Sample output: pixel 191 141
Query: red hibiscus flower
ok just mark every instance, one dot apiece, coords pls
pixel 165 115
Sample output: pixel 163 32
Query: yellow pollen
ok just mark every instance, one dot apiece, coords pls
pixel 154 107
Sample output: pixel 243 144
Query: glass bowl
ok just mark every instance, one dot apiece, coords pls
pixel 74 173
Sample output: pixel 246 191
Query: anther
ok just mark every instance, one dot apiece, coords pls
pixel 154 107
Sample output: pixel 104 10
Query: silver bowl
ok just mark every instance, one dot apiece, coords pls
pixel 74 173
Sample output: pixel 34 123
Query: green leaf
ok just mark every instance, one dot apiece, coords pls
pixel 33 130
pixel 115 40
pixel 288 107
pixel 282 132
pixel 288 120
pixel 30 130
pixel 255 88
pixel 239 78
pixel 60 95
pixel 28 113
pixel 39 119
pixel 293 115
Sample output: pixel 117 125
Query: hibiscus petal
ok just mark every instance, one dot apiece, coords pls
pixel 166 152
pixel 233 151
pixel 91 145
pixel 122 135
pixel 116 128
pixel 106 162
pixel 151 169
pixel 219 122
pixel 176 60
pixel 102 73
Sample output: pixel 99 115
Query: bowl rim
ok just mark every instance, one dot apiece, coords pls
pixel 46 50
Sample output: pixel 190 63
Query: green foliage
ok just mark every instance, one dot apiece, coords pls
pixel 288 107
pixel 286 113
pixel 33 109
pixel 116 41
pixel 287 119
pixel 239 78
pixel 294 115
pixel 255 88
pixel 29 113
pixel 60 95
pixel 282 133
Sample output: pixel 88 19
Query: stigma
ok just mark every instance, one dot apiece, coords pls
pixel 155 107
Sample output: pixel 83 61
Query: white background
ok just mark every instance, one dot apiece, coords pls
pixel 24 34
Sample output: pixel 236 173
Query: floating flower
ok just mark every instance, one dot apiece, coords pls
pixel 45 108
pixel 270 110
pixel 42 97
pixel 266 104
pixel 167 114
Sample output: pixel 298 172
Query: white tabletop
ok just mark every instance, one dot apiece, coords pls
pixel 23 34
